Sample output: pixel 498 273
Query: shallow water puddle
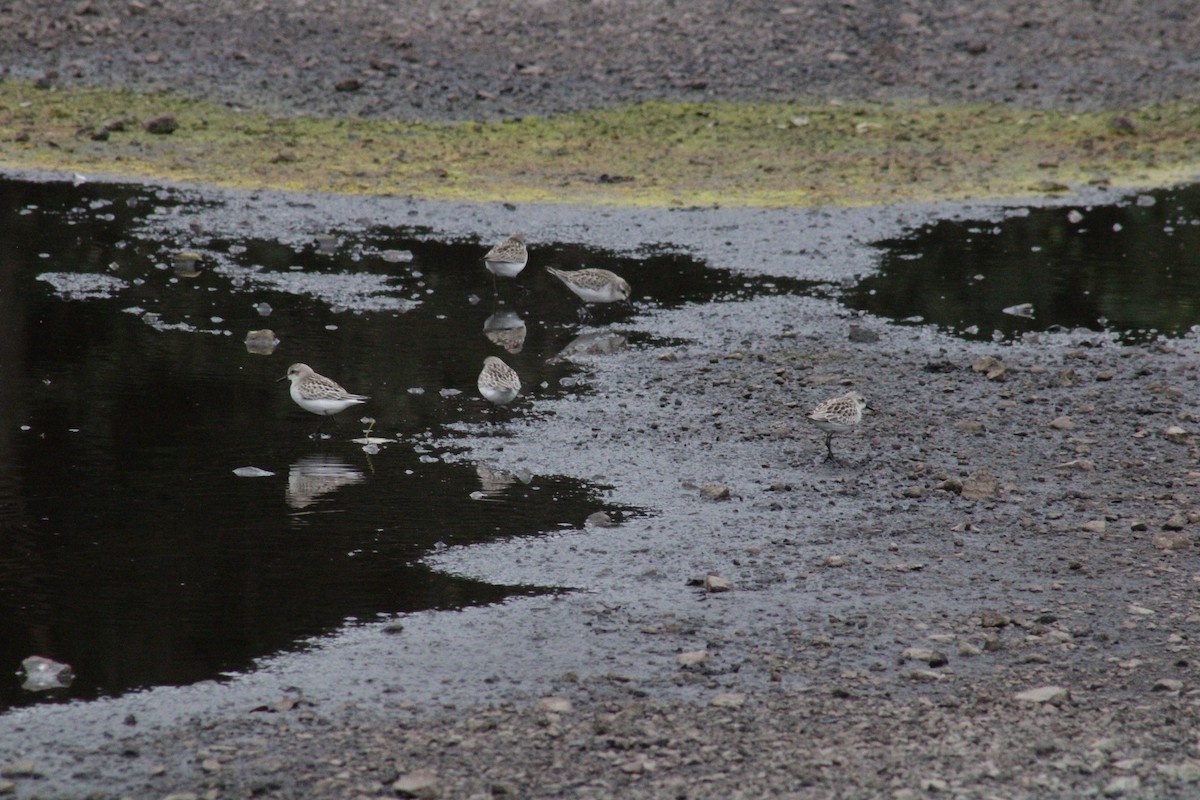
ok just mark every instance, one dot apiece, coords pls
pixel 165 516
pixel 1131 268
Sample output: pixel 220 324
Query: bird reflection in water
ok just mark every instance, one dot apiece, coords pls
pixel 494 481
pixel 314 476
pixel 506 329
pixel 596 343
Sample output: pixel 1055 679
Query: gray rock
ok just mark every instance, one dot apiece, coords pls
pixel 728 700
pixel 715 583
pixel 933 658
pixel 421 783
pixel 862 335
pixel 1055 695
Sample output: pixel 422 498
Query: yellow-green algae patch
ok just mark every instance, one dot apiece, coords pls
pixel 645 154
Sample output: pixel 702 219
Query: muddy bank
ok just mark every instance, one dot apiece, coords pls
pixel 884 613
pixel 503 58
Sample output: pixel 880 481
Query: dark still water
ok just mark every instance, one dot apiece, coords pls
pixel 130 549
pixel 1132 268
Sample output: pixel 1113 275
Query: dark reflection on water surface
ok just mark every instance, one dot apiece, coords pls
pixel 1132 268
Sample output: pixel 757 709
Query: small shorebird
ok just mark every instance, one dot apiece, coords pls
pixel 507 259
pixel 593 285
pixel 838 415
pixel 318 394
pixel 498 382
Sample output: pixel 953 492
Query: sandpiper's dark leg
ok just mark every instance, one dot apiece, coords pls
pixel 584 314
pixel 828 447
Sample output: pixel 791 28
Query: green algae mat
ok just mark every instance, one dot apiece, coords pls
pixel 645 154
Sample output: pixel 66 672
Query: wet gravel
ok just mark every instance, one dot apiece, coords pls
pixel 999 526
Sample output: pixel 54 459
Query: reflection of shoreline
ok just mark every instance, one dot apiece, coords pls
pixel 313 476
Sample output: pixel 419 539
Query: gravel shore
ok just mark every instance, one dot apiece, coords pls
pixel 983 601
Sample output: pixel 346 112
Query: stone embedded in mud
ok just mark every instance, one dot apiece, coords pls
pixel 1094 526
pixel 714 491
pixel 1062 424
pixel 691 658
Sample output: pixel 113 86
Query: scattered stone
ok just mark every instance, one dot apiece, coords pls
pixel 554 705
pixel 1122 785
pixel 691 658
pixel 728 700
pixel 993 619
pixel 19 769
pixel 991 367
pixel 1185 772
pixel 969 426
pixel 1055 695
pixel 7 787
pixel 1095 526
pixel 1138 525
pixel 953 485
pixel 210 765
pixel 1080 464
pixel 715 583
pixel 600 519
pixel 1066 378
pixel 1062 424
pixel 933 658
pixel 1175 523
pixel 968 650
pixel 1168 685
pixel 421 783
pixel 862 335
pixel 161 125
pixel 934 785
pixel 980 485
pixel 1176 434
pixel 714 491
pixel 835 561
pixel 1020 310
pixel 348 85
pixel 1171 540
